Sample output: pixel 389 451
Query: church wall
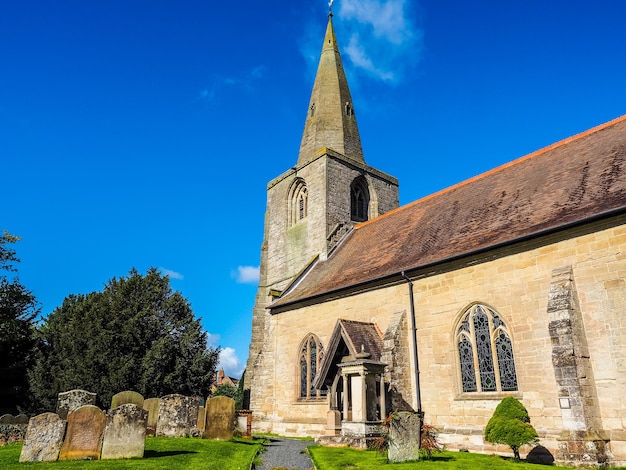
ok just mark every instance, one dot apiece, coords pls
pixel 516 284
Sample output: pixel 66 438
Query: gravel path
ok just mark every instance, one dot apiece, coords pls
pixel 287 454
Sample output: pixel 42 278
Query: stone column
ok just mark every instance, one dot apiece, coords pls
pixel 383 399
pixel 345 397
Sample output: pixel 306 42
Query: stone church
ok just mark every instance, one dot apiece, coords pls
pixel 510 283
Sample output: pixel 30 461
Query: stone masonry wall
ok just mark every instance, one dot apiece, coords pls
pixel 515 282
pixel 287 249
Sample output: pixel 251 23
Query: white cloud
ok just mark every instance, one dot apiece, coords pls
pixel 246 81
pixel 212 340
pixel 230 362
pixel 384 37
pixel 359 58
pixel 248 274
pixel 171 274
pixel 388 19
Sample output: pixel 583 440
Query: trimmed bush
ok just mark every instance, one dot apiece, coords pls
pixel 510 425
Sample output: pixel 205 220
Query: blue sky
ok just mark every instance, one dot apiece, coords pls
pixel 138 134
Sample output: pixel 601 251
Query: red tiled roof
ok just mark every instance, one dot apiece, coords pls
pixel 569 182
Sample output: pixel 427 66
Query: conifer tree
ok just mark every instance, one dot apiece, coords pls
pixel 18 311
pixel 137 334
pixel 510 425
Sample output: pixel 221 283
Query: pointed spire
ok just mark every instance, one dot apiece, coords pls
pixel 330 120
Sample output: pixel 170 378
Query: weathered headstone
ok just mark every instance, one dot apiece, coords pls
pixel 21 419
pixel 44 438
pixel 151 405
pixel 73 399
pixel 125 397
pixel 125 432
pixel 7 419
pixel 220 418
pixel 85 430
pixel 201 419
pixel 178 416
pixel 404 434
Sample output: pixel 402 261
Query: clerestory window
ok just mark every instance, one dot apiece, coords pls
pixel 485 352
pixel 309 360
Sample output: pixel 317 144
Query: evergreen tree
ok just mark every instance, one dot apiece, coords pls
pixel 230 391
pixel 510 425
pixel 18 310
pixel 137 334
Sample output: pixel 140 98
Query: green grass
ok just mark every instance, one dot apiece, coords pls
pixel 341 458
pixel 160 453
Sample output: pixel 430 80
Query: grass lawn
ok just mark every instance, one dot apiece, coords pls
pixel 333 458
pixel 160 453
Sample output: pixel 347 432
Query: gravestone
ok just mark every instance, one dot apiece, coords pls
pixel 220 418
pixel 125 432
pixel 73 399
pixel 44 438
pixel 7 419
pixel 85 430
pixel 151 405
pixel 178 416
pixel 201 419
pixel 21 419
pixel 404 437
pixel 125 397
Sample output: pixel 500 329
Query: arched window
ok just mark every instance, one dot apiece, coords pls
pixel 485 352
pixel 298 201
pixel 359 200
pixel 309 359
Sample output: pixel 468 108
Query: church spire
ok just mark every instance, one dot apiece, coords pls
pixel 330 120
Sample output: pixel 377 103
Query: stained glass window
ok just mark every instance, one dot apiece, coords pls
pixel 485 352
pixel 311 354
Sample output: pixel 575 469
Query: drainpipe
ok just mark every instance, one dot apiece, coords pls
pixel 416 371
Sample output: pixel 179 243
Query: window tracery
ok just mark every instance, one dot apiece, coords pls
pixel 309 360
pixel 485 352
pixel 359 200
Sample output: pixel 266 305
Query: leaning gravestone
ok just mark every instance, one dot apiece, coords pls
pixel 220 418
pixel 44 438
pixel 85 429
pixel 125 397
pixel 404 434
pixel 151 405
pixel 125 432
pixel 178 416
pixel 73 399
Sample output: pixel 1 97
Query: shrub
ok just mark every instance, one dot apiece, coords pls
pixel 510 425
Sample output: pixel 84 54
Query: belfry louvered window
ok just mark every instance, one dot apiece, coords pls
pixel 485 352
pixel 359 200
pixel 309 360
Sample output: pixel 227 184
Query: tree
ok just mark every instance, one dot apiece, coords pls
pixel 229 390
pixel 137 334
pixel 18 310
pixel 510 425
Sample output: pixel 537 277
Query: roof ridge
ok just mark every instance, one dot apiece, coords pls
pixel 497 169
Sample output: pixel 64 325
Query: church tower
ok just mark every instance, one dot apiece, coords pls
pixel 310 208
